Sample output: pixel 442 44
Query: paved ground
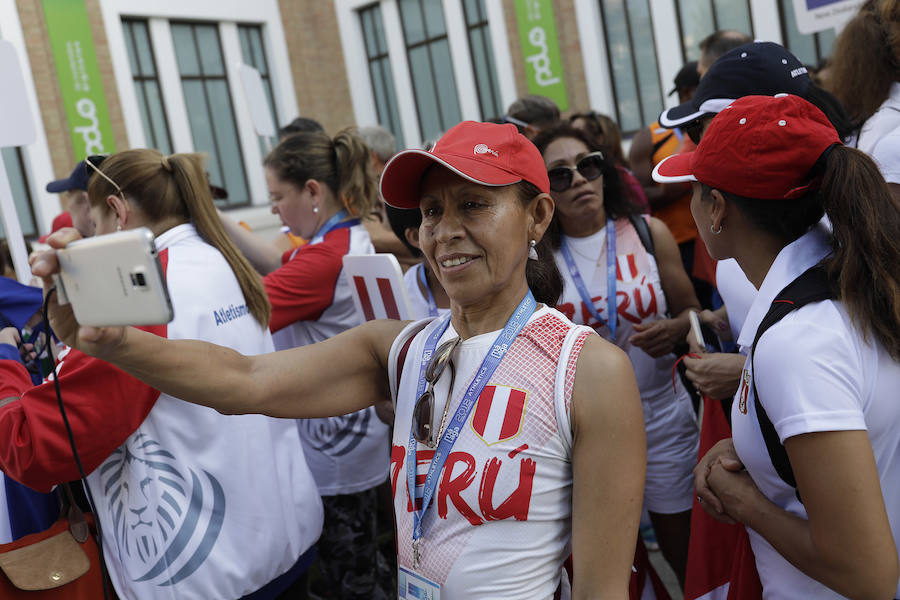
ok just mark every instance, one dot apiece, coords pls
pixel 667 575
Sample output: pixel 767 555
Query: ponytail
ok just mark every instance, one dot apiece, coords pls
pixel 356 180
pixel 865 217
pixel 344 164
pixel 176 187
pixel 193 186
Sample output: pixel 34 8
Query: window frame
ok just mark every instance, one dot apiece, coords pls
pixel 483 29
pixel 130 21
pixel 386 121
pixel 715 21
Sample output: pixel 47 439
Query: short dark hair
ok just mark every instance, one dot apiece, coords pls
pixel 721 41
pixel 534 110
pixel 402 219
pixel 299 125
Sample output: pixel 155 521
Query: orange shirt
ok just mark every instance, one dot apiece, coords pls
pixel 676 214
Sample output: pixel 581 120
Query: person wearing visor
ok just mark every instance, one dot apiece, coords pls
pixel 73 192
pixel 609 269
pixel 812 469
pixel 518 436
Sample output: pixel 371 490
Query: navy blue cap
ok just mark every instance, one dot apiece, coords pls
pixel 78 180
pixel 754 69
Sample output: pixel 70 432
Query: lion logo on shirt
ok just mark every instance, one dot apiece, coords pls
pixel 165 518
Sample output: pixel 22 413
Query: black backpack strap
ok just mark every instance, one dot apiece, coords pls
pixel 811 286
pixel 643 230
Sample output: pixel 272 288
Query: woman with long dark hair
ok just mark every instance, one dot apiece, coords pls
pixel 812 469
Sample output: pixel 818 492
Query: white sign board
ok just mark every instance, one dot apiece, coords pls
pixel 818 15
pixel 16 129
pixel 260 113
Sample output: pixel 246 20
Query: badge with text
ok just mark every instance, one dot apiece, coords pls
pixel 411 585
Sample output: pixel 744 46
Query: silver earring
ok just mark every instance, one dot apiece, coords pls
pixel 119 227
pixel 532 253
pixel 715 231
pixel 315 209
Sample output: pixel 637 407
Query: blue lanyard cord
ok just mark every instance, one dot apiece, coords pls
pixel 490 363
pixel 612 316
pixel 432 304
pixel 330 224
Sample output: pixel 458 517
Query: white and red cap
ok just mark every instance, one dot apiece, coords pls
pixel 484 153
pixel 761 147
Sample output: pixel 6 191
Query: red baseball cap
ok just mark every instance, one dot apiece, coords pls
pixel 760 147
pixel 484 153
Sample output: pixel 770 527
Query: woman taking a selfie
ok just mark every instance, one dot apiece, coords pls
pixel 642 282
pixel 812 469
pixel 519 435
pixel 181 491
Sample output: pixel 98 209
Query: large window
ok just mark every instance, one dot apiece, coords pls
pixel 482 58
pixel 811 49
pixel 430 66
pixel 254 55
pixel 15 171
pixel 380 71
pixel 146 85
pixel 631 49
pixel 208 100
pixel 699 18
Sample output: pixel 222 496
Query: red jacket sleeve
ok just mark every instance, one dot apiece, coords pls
pixel 303 287
pixel 104 406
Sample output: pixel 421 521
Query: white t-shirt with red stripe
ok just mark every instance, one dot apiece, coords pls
pixel 500 521
pixel 311 302
pixel 182 491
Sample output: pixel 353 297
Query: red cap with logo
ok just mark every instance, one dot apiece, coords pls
pixel 484 153
pixel 761 147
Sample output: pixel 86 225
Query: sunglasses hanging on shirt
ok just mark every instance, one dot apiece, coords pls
pixel 589 166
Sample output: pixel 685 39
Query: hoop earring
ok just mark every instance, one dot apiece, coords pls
pixel 715 231
pixel 532 253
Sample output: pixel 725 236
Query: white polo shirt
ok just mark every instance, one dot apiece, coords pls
pixel 880 136
pixel 814 373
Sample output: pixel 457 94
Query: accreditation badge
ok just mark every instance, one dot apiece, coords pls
pixel 415 587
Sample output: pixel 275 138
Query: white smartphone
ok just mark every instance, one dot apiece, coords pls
pixel 114 279
pixel 695 327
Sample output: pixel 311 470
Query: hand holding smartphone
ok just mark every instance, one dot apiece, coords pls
pixel 695 328
pixel 114 279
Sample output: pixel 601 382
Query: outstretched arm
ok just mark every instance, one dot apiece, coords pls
pixel 341 375
pixel 608 463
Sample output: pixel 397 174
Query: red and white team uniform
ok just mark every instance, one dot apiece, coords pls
pixel 499 525
pixel 672 434
pixel 181 490
pixel 311 302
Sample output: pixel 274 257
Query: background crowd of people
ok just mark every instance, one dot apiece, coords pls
pixel 537 426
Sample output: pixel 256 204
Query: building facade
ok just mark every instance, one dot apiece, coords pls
pixel 169 71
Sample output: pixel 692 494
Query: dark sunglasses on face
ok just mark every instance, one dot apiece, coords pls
pixel 423 411
pixel 590 166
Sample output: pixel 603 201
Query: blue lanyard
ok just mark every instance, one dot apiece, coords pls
pixel 490 363
pixel 330 224
pixel 432 305
pixel 613 317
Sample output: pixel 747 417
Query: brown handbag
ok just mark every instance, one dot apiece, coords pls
pixel 60 562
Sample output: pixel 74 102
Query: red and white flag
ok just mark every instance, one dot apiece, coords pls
pixel 626 267
pixel 499 413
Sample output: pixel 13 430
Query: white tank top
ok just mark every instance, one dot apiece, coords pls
pixel 500 521
pixel 639 299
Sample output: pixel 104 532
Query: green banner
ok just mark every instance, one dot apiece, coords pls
pixel 79 77
pixel 543 66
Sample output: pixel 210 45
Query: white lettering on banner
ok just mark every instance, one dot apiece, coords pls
pixel 93 139
pixel 540 62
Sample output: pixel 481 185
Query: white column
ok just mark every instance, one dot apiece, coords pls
pixel 669 57
pixel 767 20
pixel 357 64
pixel 594 57
pixel 170 85
pixel 466 87
pixel 406 100
pixel 506 78
pixel 249 140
